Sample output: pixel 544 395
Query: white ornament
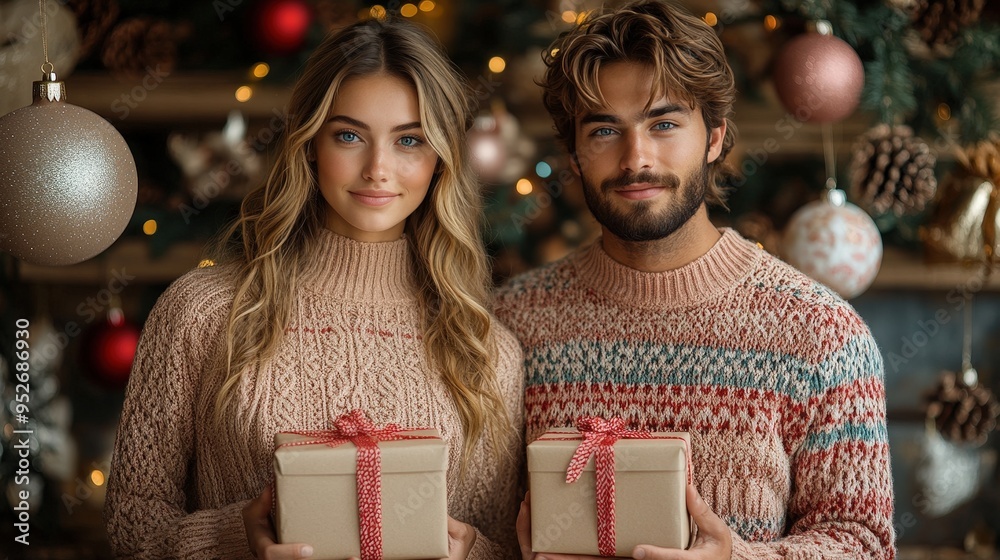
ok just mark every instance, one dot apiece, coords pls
pixel 835 243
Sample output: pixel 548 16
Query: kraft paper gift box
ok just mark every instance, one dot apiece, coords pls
pixel 317 499
pixel 650 479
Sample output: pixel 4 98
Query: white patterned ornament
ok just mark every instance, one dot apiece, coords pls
pixel 835 243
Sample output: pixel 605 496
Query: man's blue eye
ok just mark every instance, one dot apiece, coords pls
pixel 602 132
pixel 664 126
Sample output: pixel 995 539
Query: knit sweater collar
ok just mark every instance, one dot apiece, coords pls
pixel 359 271
pixel 728 261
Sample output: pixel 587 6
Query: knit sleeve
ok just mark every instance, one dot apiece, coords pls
pixel 841 502
pixel 146 508
pixel 497 488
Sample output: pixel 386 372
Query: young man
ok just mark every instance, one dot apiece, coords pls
pixel 675 325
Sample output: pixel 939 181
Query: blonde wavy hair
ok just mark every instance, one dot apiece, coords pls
pixel 685 57
pixel 267 242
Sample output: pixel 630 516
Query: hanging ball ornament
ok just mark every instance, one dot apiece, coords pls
pixel 487 149
pixel 819 77
pixel 280 26
pixel 110 349
pixel 835 243
pixel 67 180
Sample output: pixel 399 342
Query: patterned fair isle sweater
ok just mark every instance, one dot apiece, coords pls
pixel 777 379
pixel 178 486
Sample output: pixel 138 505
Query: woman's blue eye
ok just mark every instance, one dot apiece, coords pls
pixel 347 136
pixel 409 141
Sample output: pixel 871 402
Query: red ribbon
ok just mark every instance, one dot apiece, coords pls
pixel 599 436
pixel 354 427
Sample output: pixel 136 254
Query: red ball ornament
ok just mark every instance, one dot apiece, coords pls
pixel 109 350
pixel 819 78
pixel 280 26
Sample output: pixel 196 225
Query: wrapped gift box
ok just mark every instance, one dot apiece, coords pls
pixel 650 479
pixel 316 496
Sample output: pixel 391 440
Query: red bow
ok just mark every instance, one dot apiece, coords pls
pixel 356 428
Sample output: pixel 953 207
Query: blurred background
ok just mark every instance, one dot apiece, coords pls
pixel 198 88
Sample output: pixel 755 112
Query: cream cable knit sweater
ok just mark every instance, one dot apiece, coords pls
pixel 177 486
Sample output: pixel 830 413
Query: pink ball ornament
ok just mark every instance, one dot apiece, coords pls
pixel 835 243
pixel 819 77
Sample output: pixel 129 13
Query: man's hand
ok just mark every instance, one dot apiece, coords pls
pixel 260 532
pixel 714 542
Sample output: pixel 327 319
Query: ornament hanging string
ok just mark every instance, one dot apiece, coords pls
pixel 830 156
pixel 45 42
pixel 823 27
pixel 969 375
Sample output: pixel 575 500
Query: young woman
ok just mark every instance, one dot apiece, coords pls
pixel 354 278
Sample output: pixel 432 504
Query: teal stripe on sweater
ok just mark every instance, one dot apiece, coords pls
pixel 646 363
pixel 868 433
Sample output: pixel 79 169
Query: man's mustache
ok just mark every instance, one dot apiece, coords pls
pixel 670 181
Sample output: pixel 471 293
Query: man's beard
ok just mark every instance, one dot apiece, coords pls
pixel 640 223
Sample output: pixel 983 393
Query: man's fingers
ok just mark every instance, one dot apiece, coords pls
pixel 713 535
pixel 710 525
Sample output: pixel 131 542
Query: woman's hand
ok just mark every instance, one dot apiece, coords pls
pixel 461 537
pixel 260 532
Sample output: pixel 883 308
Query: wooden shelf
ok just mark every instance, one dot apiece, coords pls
pixel 126 257
pixel 902 270
pixel 203 98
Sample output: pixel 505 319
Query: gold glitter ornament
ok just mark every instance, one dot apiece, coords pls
pixel 67 179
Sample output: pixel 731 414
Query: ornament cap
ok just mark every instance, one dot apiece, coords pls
pixel 836 197
pixel 48 90
pixel 970 377
pixel 821 26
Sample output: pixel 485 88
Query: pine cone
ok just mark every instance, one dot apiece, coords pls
pixel 940 21
pixel 138 44
pixel 962 414
pixel 892 171
pixel 94 18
